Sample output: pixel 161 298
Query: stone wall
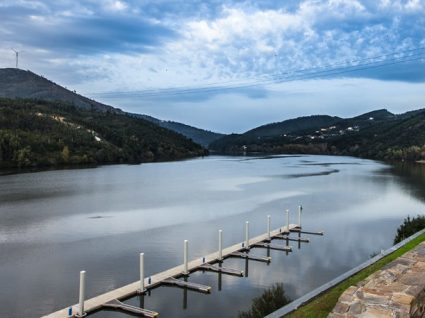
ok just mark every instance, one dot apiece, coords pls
pixel 397 291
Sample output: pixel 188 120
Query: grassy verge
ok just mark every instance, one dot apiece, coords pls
pixel 323 304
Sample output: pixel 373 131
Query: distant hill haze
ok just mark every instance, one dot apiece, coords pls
pixel 200 136
pixel 17 83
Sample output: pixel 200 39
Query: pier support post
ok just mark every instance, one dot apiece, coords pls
pixel 268 227
pixel 185 258
pixel 300 209
pixel 81 312
pixel 247 235
pixel 287 220
pixel 220 245
pixel 142 273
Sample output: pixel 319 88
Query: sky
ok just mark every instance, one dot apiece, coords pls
pixel 226 66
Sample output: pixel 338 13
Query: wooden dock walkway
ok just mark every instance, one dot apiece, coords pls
pixel 117 305
pixel 170 276
pixel 222 270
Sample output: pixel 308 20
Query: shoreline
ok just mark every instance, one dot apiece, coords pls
pixel 321 301
pixel 13 171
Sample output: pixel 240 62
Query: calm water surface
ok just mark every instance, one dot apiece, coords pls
pixel 54 224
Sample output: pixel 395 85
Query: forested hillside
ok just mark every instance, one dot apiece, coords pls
pixel 401 139
pixel 42 133
pixel 17 83
pixel 378 134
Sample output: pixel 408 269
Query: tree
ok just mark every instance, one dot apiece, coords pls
pixel 65 154
pixel 271 300
pixel 409 227
pixel 23 157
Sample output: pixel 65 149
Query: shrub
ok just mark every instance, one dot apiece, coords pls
pixel 409 227
pixel 272 299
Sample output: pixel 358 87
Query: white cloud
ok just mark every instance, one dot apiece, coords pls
pixel 241 42
pixel 231 44
pixel 312 11
pixel 400 6
pixel 116 5
pixel 236 24
pixel 414 5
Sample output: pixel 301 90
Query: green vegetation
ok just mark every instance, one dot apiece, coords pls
pixel 271 300
pixel 386 137
pixel 324 304
pixel 16 83
pixel 275 137
pixel 401 139
pixel 409 227
pixel 296 125
pixel 42 133
pixel 274 298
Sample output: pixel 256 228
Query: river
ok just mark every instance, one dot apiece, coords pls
pixel 55 223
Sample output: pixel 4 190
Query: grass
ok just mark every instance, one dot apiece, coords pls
pixel 322 305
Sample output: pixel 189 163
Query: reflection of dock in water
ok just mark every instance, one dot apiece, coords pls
pixel 178 275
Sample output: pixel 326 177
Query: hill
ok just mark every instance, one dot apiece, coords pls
pixel 402 138
pixel 279 130
pixel 378 134
pixel 380 114
pixel 200 136
pixel 43 133
pixel 16 83
pixel 292 126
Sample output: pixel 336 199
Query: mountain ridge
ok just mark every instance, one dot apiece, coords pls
pixel 17 83
pixel 378 134
pixel 36 133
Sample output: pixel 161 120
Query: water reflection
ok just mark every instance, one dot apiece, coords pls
pixel 411 177
pixel 55 223
pixel 312 174
pixel 271 299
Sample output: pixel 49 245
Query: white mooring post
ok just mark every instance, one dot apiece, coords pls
pixel 185 258
pixel 300 209
pixel 287 220
pixel 142 273
pixel 247 234
pixel 220 245
pixel 268 227
pixel 81 312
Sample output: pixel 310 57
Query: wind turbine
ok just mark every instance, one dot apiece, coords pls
pixel 17 56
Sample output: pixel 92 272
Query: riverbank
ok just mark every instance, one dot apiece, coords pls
pixel 396 290
pixel 322 305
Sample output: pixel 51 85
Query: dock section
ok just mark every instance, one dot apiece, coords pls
pixel 113 298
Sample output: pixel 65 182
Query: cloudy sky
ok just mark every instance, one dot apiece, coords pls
pixel 228 65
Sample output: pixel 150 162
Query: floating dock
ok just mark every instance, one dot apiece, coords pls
pixel 117 305
pixel 170 277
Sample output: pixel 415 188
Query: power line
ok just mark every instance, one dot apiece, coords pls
pixel 280 79
pixel 321 74
pixel 291 75
pixel 266 76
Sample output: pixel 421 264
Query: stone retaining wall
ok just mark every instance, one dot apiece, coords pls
pixel 396 291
